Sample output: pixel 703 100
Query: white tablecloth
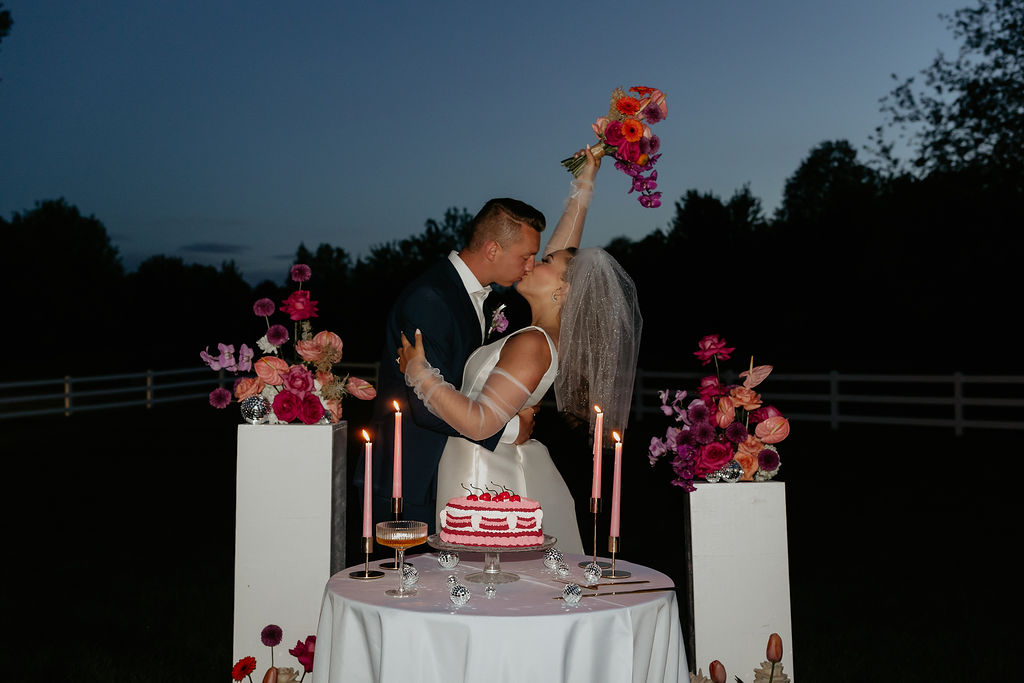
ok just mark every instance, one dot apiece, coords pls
pixel 520 634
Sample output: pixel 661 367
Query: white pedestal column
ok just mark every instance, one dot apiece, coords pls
pixel 740 571
pixel 289 531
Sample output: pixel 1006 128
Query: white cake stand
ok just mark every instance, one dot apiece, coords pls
pixel 492 557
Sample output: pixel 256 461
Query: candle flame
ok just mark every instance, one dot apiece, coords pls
pixel 616 435
pixel 597 408
pixel 365 435
pixel 396 406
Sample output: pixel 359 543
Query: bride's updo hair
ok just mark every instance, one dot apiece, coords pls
pixel 599 340
pixel 499 220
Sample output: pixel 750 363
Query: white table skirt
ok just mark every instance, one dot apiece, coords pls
pixel 520 634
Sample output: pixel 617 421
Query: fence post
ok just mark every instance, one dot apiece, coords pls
pixel 958 403
pixel 833 398
pixel 149 389
pixel 67 395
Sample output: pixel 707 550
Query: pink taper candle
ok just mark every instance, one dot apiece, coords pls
pixel 595 488
pixel 367 481
pixel 396 481
pixel 616 487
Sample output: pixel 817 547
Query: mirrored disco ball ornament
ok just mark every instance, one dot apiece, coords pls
pixel 572 594
pixel 562 570
pixel 448 559
pixel 731 472
pixel 489 591
pixel 459 595
pixel 592 573
pixel 452 580
pixel 714 477
pixel 552 557
pixel 255 409
pixel 410 575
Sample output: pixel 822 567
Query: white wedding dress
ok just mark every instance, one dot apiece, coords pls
pixel 526 469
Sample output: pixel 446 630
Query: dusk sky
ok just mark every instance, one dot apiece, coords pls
pixel 221 130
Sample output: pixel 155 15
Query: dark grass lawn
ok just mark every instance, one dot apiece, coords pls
pixel 120 526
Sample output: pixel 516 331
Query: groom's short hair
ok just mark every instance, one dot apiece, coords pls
pixel 499 220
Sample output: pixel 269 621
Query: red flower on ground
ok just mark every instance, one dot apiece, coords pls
pixel 243 667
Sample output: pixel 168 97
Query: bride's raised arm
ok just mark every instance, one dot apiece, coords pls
pixel 517 374
pixel 569 230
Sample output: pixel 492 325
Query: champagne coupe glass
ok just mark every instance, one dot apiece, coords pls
pixel 401 534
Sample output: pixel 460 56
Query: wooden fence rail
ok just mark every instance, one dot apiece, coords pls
pixel 954 400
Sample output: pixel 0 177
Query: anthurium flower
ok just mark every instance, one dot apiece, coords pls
pixel 298 306
pixel 324 347
pixel 271 370
pixel 726 412
pixel 599 125
pixel 360 388
pixel 772 430
pixel 755 375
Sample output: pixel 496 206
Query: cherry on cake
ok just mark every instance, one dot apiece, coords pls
pixel 505 521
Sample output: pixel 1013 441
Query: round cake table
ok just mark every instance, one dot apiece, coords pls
pixel 524 632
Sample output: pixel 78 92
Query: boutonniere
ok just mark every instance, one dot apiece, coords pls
pixel 499 323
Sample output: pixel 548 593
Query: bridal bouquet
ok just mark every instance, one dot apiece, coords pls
pixel 305 389
pixel 727 433
pixel 625 134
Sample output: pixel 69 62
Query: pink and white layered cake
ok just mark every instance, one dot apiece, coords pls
pixel 503 523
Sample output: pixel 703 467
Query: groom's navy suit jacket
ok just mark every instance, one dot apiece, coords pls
pixel 438 305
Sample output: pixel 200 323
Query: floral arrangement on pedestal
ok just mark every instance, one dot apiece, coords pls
pixel 625 133
pixel 770 671
pixel 727 433
pixel 271 636
pixel 305 390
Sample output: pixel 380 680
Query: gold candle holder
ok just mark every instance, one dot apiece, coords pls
pixel 366 573
pixel 612 572
pixel 396 510
pixel 595 508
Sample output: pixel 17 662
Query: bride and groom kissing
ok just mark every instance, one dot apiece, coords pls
pixel 470 395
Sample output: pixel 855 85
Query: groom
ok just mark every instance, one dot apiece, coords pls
pixel 447 304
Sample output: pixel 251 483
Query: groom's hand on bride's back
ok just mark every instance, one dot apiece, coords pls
pixel 526 418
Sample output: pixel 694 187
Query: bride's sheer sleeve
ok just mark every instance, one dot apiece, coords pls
pixel 501 398
pixel 569 230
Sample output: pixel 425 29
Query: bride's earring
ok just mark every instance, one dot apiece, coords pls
pixel 554 297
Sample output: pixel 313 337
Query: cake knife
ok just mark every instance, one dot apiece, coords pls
pixel 639 590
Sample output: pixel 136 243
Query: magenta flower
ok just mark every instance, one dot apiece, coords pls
pixel 271 635
pixel 712 347
pixel 300 272
pixel 651 201
pixel 652 114
pixel 263 307
pixel 220 398
pixel 736 432
pixel 703 432
pixel 304 652
pixel 768 460
pixel 655 144
pixel 277 335
pixel 299 306
pixel 613 134
pixel 698 412
pixel 298 380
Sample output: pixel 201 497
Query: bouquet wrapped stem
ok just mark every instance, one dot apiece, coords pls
pixel 575 164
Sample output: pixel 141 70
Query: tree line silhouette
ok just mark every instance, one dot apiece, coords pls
pixel 883 265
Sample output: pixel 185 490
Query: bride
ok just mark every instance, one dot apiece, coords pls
pixel 584 338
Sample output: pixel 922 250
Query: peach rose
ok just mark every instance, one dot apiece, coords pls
pixel 746 398
pixel 248 386
pixel 746 456
pixel 334 406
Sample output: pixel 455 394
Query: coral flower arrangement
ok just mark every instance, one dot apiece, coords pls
pixel 625 133
pixel 305 389
pixel 727 433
